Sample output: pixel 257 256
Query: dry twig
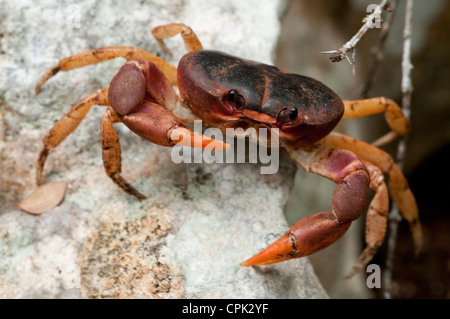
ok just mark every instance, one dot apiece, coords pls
pixel 377 50
pixel 369 22
pixel 407 88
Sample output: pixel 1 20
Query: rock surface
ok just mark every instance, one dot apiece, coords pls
pixel 200 220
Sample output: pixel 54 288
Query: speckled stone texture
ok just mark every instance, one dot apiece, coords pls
pixel 200 220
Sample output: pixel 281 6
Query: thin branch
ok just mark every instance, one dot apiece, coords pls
pixel 407 66
pixel 377 50
pixel 394 216
pixel 369 23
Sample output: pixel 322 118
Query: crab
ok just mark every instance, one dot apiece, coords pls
pixel 229 92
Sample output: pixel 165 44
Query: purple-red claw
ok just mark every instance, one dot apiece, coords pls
pixel 320 230
pixel 140 93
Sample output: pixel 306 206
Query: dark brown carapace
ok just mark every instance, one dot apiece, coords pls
pixel 225 91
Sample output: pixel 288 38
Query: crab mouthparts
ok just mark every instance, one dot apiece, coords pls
pixel 259 117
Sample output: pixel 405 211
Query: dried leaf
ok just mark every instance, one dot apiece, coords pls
pixel 44 198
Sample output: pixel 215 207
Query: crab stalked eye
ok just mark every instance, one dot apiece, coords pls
pixel 287 114
pixel 235 99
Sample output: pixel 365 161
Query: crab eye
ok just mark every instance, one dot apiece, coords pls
pixel 235 99
pixel 287 114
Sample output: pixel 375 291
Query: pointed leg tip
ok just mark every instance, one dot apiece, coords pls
pixel 418 240
pixel 351 273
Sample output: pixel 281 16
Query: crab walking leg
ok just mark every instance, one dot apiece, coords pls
pixel 67 124
pixel 376 219
pixel 103 54
pixel 112 155
pixel 320 230
pixel 393 115
pixel 190 39
pixel 398 185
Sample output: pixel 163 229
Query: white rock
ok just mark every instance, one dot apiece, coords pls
pixel 188 238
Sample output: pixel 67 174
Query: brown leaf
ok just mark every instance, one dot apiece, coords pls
pixel 44 198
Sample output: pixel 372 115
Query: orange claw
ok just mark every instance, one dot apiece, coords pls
pixel 304 238
pixel 187 137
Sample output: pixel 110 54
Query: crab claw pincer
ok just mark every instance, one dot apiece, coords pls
pixel 184 136
pixel 304 238
pixel 320 230
pixel 143 98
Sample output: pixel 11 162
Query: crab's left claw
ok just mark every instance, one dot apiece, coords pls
pixel 350 198
pixel 304 238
